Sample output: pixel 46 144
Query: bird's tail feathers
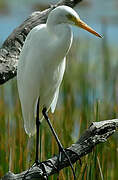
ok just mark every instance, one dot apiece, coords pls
pixel 30 124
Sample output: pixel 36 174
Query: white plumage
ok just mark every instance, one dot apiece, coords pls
pixel 42 63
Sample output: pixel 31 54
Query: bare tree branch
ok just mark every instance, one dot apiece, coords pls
pixel 11 48
pixel 97 132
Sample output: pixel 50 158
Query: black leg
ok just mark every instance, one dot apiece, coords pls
pixel 37 133
pixel 37 162
pixel 61 149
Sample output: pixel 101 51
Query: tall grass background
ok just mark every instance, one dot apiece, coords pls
pixel 89 92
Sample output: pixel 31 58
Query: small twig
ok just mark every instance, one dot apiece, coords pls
pixel 97 132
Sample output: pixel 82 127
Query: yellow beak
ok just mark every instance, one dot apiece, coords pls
pixel 83 25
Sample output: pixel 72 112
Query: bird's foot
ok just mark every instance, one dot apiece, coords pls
pixel 41 166
pixel 63 151
pixel 80 162
pixel 36 163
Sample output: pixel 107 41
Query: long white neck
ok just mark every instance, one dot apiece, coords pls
pixel 61 33
pixel 57 25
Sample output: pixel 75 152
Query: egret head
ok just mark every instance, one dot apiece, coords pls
pixel 65 14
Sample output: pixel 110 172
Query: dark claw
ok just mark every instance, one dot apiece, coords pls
pixel 37 162
pixel 76 155
pixel 45 175
pixel 62 150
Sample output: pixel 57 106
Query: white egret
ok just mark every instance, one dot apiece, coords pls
pixel 42 64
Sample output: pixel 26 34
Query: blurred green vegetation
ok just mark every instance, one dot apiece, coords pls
pixel 89 92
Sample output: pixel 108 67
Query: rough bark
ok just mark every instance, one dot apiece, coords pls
pixel 96 133
pixel 11 48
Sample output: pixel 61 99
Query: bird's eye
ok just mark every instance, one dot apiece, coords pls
pixel 71 17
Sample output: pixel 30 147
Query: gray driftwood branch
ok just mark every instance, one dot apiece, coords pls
pixel 11 48
pixel 97 132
